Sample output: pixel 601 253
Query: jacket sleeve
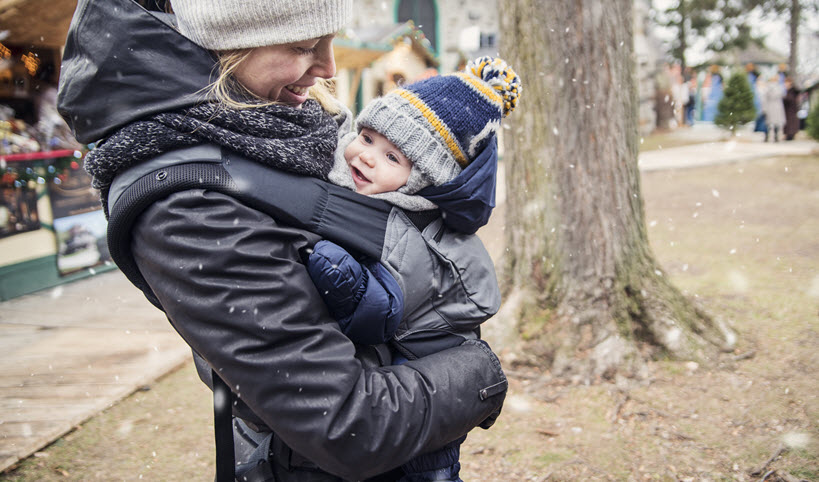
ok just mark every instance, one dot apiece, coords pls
pixel 365 300
pixel 232 283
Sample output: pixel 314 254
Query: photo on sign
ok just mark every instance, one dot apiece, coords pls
pixel 82 241
pixel 79 223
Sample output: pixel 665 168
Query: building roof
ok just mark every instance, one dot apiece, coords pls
pixel 36 23
pixel 381 38
pixel 753 53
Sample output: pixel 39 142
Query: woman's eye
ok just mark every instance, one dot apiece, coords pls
pixel 305 50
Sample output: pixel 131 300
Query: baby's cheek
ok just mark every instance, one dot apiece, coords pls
pixel 349 153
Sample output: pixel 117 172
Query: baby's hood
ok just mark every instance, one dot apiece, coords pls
pixel 466 202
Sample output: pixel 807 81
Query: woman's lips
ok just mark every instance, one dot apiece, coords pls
pixel 293 95
pixel 298 90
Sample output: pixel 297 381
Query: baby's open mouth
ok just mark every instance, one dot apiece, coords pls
pixel 359 176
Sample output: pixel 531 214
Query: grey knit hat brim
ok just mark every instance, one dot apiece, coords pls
pixel 406 127
pixel 240 24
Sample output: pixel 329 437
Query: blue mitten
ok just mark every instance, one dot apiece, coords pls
pixel 339 278
pixel 365 300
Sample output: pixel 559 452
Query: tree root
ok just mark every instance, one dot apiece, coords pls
pixel 677 324
pixel 600 328
pixel 761 469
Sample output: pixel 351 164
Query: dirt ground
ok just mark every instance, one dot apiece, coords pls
pixel 742 239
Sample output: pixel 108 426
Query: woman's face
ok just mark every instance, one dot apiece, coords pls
pixel 285 72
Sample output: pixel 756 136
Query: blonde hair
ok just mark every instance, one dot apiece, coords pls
pixel 225 88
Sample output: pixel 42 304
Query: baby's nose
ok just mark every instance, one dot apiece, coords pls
pixel 367 158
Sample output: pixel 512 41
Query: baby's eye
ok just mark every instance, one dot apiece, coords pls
pixel 393 158
pixel 367 139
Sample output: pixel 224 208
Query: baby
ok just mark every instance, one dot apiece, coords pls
pixel 429 148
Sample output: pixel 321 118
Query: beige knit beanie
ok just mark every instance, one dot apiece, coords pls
pixel 239 24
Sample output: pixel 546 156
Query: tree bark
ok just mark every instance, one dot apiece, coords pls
pixel 793 57
pixel 596 302
pixel 682 33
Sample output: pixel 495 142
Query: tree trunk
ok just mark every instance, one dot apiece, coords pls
pixel 596 301
pixel 796 13
pixel 682 33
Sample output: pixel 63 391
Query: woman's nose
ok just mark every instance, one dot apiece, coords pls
pixel 324 64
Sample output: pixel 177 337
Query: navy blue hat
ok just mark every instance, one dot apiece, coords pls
pixel 442 123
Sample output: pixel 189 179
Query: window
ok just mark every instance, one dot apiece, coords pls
pixel 422 13
pixel 488 40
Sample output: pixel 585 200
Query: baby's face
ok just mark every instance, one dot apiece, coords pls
pixel 376 164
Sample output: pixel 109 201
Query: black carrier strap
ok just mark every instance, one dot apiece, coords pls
pixel 144 192
pixel 223 429
pixel 297 201
pixel 131 204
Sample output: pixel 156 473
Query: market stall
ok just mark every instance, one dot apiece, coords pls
pixel 51 227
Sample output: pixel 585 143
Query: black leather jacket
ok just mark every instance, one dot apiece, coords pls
pixel 232 283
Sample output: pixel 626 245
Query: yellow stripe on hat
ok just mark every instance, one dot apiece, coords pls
pixel 481 86
pixel 436 122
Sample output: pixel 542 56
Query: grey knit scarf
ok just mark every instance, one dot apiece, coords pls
pixel 295 140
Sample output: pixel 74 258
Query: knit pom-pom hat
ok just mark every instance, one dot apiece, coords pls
pixel 443 122
pixel 240 24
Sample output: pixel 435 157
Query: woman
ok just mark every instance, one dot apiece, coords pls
pixel 774 108
pixel 230 277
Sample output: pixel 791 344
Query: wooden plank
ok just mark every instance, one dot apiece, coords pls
pixel 90 355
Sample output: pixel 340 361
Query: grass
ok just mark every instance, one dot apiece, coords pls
pixel 749 256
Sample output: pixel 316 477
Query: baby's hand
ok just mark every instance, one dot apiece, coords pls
pixel 339 278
